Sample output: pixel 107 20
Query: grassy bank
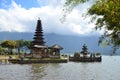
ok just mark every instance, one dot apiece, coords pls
pixel 7 56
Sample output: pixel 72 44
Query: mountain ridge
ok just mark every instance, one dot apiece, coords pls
pixel 70 43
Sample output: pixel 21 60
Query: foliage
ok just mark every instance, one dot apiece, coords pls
pixel 27 43
pixel 1 49
pixel 69 5
pixel 106 14
pixel 98 54
pixel 73 3
pixel 9 44
pixel 21 44
pixel 110 21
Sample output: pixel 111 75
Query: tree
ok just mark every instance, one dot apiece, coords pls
pixel 106 14
pixel 26 45
pixel 9 44
pixel 2 50
pixel 21 44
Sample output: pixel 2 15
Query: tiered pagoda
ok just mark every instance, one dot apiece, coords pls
pixel 37 46
pixel 84 50
pixel 38 37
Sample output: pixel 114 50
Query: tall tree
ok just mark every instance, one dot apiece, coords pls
pixel 26 45
pixel 21 44
pixel 2 50
pixel 9 44
pixel 106 14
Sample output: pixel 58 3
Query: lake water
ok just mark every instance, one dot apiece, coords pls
pixel 108 69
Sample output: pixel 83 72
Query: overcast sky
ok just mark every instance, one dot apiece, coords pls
pixel 22 15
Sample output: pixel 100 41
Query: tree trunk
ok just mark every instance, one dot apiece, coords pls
pixel 10 51
pixel 19 50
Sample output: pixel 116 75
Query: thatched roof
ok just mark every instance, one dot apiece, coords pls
pixel 56 46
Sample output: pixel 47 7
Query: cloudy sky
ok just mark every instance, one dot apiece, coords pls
pixel 22 15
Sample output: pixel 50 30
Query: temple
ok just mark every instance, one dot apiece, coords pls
pixel 39 49
pixel 85 56
pixel 40 53
pixel 37 46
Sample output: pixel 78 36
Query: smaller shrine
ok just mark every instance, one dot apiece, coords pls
pixel 85 56
pixel 56 49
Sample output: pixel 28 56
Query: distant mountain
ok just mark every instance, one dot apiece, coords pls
pixel 16 35
pixel 70 44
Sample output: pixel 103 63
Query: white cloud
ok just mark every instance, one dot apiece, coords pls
pixel 19 19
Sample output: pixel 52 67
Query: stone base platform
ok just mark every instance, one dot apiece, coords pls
pixel 16 61
pixel 88 59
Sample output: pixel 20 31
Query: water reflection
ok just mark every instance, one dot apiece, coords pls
pixel 37 71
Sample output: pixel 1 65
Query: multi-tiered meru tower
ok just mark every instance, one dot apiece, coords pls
pixel 38 47
pixel 38 44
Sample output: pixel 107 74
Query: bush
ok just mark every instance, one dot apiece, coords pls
pixel 76 55
pixel 97 54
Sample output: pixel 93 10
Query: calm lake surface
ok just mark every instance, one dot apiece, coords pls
pixel 108 69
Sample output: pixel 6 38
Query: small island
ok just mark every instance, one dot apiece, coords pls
pixel 39 51
pixel 85 56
